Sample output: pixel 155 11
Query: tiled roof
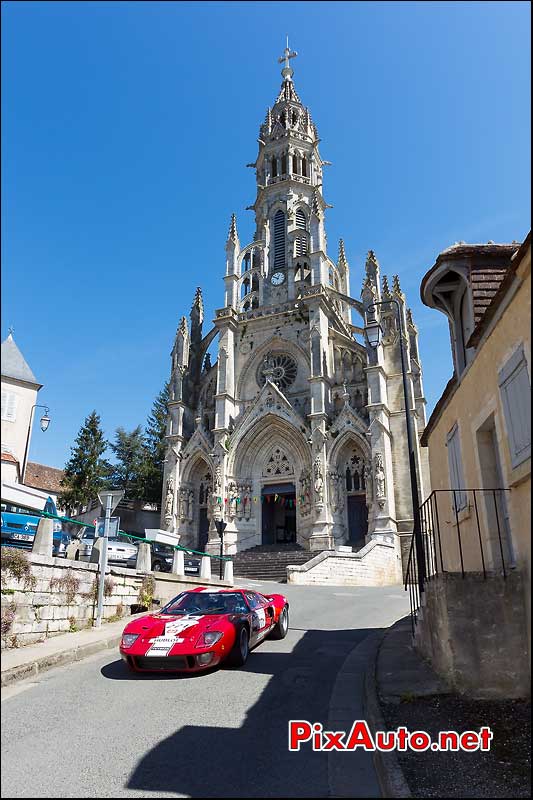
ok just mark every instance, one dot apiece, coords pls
pixel 40 476
pixel 14 364
pixel 9 457
pixel 497 295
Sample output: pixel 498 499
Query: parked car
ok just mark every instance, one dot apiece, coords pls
pixel 163 556
pixel 120 552
pixel 199 629
pixel 19 526
pixel 192 565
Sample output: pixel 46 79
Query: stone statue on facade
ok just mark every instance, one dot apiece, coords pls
pixel 169 501
pixel 318 480
pixel 336 500
pixel 379 478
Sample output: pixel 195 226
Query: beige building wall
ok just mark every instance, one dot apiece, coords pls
pixel 476 407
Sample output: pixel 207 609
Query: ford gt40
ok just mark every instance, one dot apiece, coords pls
pixel 200 628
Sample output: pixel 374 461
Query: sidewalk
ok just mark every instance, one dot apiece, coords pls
pixel 24 662
pixel 402 689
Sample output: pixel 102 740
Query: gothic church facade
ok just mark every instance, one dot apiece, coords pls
pixel 296 434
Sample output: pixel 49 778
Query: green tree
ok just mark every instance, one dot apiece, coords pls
pixel 156 429
pixel 130 453
pixel 86 472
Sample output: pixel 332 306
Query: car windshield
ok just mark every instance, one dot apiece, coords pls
pixel 207 603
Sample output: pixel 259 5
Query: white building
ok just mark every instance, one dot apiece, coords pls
pixel 19 395
pixel 297 433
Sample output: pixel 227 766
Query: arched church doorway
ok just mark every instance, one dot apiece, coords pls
pixel 278 499
pixel 278 513
pixel 352 468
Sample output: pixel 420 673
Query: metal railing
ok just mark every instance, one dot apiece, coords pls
pixel 463 531
pixel 124 534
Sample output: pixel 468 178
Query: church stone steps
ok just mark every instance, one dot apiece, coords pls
pixel 268 562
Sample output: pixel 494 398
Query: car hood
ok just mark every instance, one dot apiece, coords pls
pixel 181 625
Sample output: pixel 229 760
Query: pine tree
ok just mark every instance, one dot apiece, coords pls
pixel 156 429
pixel 86 472
pixel 130 452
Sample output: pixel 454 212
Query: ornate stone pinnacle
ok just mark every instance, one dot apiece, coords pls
pixel 233 236
pixel 198 302
pixel 371 257
pixel 385 284
pixel 342 254
pixel 396 288
pixel 183 327
pixel 315 205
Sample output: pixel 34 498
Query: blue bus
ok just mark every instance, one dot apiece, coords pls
pixel 20 525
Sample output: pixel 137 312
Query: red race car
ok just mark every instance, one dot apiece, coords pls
pixel 200 628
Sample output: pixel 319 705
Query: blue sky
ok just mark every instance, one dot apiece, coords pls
pixel 126 128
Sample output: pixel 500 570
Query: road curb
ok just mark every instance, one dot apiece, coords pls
pixel 390 775
pixel 60 659
pixel 348 773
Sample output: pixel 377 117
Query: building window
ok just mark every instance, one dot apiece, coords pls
pixel 279 239
pixel 515 392
pixel 9 406
pixel 283 164
pixel 300 219
pixel 455 466
pixel 274 167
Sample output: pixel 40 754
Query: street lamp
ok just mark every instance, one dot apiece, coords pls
pixel 373 334
pixel 45 422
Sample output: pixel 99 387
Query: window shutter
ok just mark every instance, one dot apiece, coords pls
pixel 9 406
pixel 515 392
pixel 300 219
pixel 455 466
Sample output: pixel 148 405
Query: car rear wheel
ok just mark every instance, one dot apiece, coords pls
pixel 241 648
pixel 156 567
pixel 280 629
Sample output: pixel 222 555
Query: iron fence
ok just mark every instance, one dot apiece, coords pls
pixel 463 531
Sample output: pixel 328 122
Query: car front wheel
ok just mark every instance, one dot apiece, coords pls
pixel 241 648
pixel 280 629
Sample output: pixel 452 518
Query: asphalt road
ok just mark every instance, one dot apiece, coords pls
pixel 92 729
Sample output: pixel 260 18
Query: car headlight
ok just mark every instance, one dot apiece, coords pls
pixel 209 638
pixel 129 639
pixel 169 560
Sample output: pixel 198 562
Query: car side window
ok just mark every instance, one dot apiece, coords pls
pixel 254 600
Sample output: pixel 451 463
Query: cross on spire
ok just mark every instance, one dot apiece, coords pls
pixel 287 72
pixel 11 330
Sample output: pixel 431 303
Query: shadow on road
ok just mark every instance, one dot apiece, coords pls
pixel 253 760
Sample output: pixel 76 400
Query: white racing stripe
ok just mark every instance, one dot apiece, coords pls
pixel 162 645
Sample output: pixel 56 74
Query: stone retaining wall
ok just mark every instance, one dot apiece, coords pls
pixel 376 564
pixel 474 633
pixel 41 607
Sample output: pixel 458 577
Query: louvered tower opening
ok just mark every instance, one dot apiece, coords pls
pixel 279 239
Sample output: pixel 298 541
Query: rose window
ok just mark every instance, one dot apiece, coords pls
pixel 280 368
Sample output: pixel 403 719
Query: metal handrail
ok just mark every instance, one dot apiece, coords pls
pixel 434 555
pixel 46 515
